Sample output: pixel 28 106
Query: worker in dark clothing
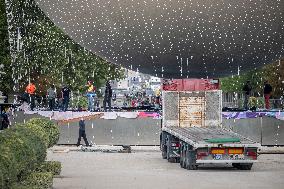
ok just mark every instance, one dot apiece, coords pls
pixel 65 97
pixel 5 123
pixel 267 92
pixel 108 96
pixel 247 91
pixel 82 132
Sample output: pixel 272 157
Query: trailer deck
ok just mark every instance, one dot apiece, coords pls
pixel 196 136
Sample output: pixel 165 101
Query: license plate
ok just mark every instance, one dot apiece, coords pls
pixel 217 156
pixel 237 156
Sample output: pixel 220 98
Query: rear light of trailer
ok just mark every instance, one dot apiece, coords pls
pixel 218 150
pixel 203 152
pixel 177 144
pixel 235 151
pixel 251 152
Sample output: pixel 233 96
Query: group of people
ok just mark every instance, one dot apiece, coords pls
pixel 140 99
pixel 92 96
pixel 51 95
pixel 267 89
pixel 64 96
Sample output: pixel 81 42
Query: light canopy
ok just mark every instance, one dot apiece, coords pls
pixel 175 38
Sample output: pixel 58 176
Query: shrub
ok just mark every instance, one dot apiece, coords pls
pixel 8 172
pixel 22 186
pixel 21 152
pixel 256 102
pixel 37 180
pixel 79 102
pixel 50 129
pixel 23 149
pixel 37 130
pixel 50 166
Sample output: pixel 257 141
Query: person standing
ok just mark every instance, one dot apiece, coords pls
pixel 158 98
pixel 82 132
pixel 5 122
pixel 108 96
pixel 51 94
pixel 65 97
pixel 30 90
pixel 267 92
pixel 247 90
pixel 91 94
pixel 114 99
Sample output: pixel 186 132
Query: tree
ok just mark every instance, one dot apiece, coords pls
pixel 273 73
pixel 5 61
pixel 48 56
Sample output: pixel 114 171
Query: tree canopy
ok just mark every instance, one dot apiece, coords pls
pixel 5 61
pixel 42 52
pixel 273 73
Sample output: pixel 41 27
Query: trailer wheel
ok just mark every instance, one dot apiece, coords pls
pixel 190 161
pixel 191 167
pixel 182 158
pixel 181 162
pixel 172 160
pixel 164 152
pixel 163 145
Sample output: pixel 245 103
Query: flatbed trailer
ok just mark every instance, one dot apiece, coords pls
pixel 192 139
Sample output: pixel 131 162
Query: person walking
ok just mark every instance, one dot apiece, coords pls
pixel 91 94
pixel 108 96
pixel 82 133
pixel 30 90
pixel 51 94
pixel 65 97
pixel 267 92
pixel 247 90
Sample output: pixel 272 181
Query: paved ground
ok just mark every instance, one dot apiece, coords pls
pixel 145 168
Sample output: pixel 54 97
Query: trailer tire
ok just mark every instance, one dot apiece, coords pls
pixel 182 160
pixel 188 165
pixel 191 167
pixel 182 163
pixel 194 167
pixel 172 160
pixel 164 154
pixel 163 145
pixel 190 161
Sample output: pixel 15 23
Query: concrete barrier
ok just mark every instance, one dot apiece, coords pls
pixel 122 131
pixel 146 131
pixel 266 130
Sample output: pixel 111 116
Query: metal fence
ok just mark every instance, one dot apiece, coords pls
pixel 236 100
pixel 232 100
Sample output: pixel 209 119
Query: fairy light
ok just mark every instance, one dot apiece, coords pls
pixel 221 36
